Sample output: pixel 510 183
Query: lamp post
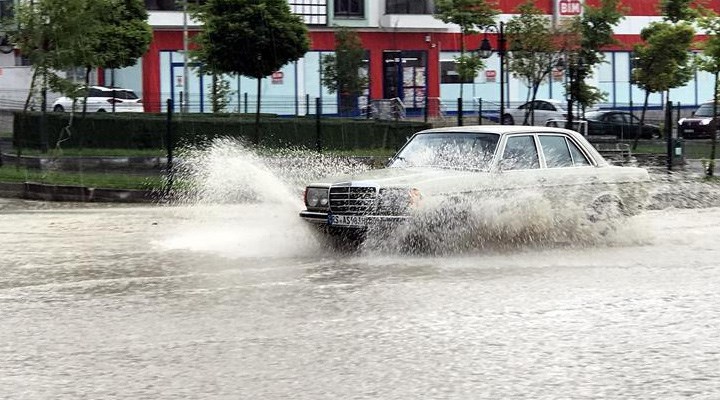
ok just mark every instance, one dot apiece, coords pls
pixel 5 46
pixel 485 51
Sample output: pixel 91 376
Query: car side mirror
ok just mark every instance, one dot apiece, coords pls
pixel 692 114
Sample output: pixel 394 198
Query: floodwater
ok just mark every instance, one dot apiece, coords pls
pixel 238 301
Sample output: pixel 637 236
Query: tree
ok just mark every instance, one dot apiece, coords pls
pixel 51 34
pixel 709 60
pixel 471 16
pixel 662 61
pixel 594 30
pixel 122 37
pixel 118 36
pixel 536 48
pixel 342 72
pixel 678 10
pixel 253 38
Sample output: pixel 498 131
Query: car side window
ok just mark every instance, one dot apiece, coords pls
pixel 616 118
pixel 556 151
pixel 95 93
pixel 520 153
pixel 545 106
pixel 579 159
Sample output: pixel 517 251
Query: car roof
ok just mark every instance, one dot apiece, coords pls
pixel 500 129
pixel 109 89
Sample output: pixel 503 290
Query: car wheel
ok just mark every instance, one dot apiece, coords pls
pixel 101 110
pixel 507 119
pixel 59 108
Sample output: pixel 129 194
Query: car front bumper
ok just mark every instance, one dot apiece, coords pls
pixel 325 218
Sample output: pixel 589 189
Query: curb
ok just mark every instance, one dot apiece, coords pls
pixel 76 163
pixel 39 191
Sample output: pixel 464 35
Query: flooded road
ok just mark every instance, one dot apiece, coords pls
pixel 238 302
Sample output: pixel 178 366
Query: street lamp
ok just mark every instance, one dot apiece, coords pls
pixel 485 51
pixel 5 46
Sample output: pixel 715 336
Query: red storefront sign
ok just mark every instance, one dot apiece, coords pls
pixel 568 8
pixel 277 77
pixel 490 75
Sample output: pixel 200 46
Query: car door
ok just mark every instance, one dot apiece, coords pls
pixel 570 178
pixel 615 123
pixel 519 165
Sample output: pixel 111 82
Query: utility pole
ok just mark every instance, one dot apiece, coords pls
pixel 185 58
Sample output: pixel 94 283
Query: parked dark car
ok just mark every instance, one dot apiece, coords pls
pixel 620 124
pixel 697 126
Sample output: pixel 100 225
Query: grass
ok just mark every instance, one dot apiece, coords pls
pixel 92 152
pixel 96 180
pixel 691 149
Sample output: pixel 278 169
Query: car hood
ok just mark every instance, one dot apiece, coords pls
pixel 415 177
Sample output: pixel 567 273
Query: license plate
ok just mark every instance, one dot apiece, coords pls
pixel 688 130
pixel 347 220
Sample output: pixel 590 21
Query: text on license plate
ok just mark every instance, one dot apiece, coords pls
pixel 347 220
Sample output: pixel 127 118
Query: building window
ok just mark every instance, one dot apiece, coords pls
pixel 449 73
pixel 312 12
pixel 409 7
pixel 349 8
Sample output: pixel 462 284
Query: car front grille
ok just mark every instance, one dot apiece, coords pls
pixel 352 200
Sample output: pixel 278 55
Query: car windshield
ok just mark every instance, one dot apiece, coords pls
pixel 705 110
pixel 449 150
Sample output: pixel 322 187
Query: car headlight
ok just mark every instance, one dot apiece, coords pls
pixel 705 121
pixel 681 121
pixel 316 197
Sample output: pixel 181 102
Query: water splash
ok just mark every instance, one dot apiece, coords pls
pixel 245 203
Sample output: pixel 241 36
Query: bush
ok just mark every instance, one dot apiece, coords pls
pixel 148 131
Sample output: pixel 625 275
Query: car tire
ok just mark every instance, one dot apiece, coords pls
pixel 59 108
pixel 101 110
pixel 507 119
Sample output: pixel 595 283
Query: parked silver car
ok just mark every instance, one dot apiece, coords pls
pixel 544 110
pixel 102 99
pixel 439 169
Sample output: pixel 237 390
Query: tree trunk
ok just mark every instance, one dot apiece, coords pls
pixel 215 93
pixel 256 137
pixel 642 121
pixel 87 90
pixel 711 163
pixel 536 87
pixel 32 89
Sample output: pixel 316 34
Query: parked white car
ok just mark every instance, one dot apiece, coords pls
pixel 440 169
pixel 101 99
pixel 545 110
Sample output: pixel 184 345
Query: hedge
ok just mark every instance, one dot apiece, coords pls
pixel 148 131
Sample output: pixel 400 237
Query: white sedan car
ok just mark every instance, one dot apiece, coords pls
pixel 447 171
pixel 545 110
pixel 102 99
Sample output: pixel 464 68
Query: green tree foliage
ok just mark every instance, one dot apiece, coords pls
pixel 52 34
pixel 594 30
pixel 663 60
pixel 535 49
pixel 472 16
pixel 253 38
pixel 60 34
pixel 709 60
pixel 678 10
pixel 220 93
pixel 343 72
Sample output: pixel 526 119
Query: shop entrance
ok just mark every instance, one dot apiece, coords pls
pixel 404 77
